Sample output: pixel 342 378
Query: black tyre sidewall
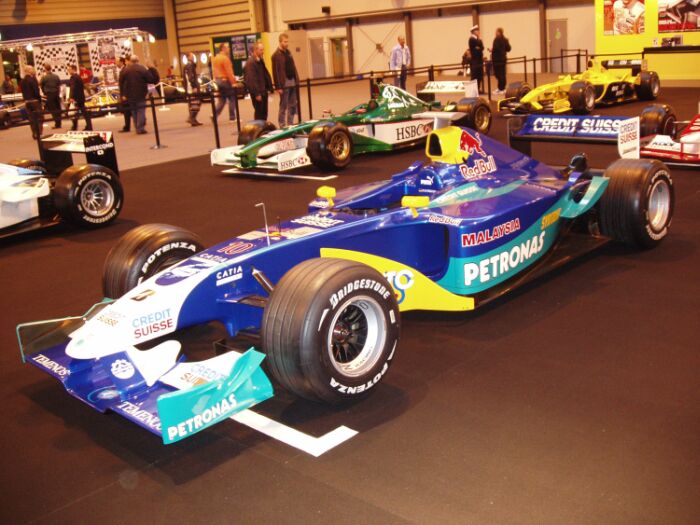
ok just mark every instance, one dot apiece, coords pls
pixel 517 90
pixel 5 120
pixel 655 119
pixel 30 164
pixel 470 106
pixel 578 99
pixel 69 187
pixel 142 252
pixel 317 146
pixel 253 130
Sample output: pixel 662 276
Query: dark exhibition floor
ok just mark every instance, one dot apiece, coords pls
pixel 572 401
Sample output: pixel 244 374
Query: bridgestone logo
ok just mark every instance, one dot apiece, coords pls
pixel 359 284
pixel 180 245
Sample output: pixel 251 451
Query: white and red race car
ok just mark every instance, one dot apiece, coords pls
pixel 665 138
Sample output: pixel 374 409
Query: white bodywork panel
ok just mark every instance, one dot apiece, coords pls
pixel 20 190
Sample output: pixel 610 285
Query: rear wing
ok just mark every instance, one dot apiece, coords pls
pixel 635 65
pixel 620 131
pixel 98 147
pixel 441 119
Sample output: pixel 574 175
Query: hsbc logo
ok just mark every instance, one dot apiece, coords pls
pixel 412 131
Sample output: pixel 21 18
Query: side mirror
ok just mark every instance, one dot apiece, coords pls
pixel 415 201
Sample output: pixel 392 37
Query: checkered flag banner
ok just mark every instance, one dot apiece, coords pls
pixel 60 56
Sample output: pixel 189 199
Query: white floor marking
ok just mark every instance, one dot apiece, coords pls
pixel 295 438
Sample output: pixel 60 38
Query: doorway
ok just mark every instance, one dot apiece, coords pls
pixel 557 43
pixel 339 55
pixel 318 59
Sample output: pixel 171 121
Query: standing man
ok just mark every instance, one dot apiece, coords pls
pixel 51 86
pixel 476 48
pixel 501 47
pixel 191 78
pixel 7 86
pixel 286 78
pixel 399 61
pixel 32 101
pixel 77 98
pixel 258 81
pixel 222 69
pixel 122 63
pixel 133 87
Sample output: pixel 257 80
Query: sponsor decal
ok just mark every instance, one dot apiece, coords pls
pixel 183 271
pixel 345 389
pixel 551 218
pixel 229 275
pixel 107 393
pixel 427 180
pixel 136 412
pixel 359 130
pixel 490 234
pixel 317 220
pixel 296 162
pixel 189 426
pixel 456 194
pixel 53 366
pixel 503 262
pixel 628 139
pixel 151 324
pixel 481 167
pixel 99 148
pixel 216 259
pixel 100 220
pixel 298 233
pixel 358 284
pixel 603 126
pixel 412 131
pixel 401 281
pixel 319 203
pixel 235 247
pixel 110 318
pixel 441 219
pixel 200 374
pixel 142 295
pixel 122 369
pixel 397 99
pixel 471 144
pixel 178 245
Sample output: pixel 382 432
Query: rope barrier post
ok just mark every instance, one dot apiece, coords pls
pixel 371 82
pixel 163 107
pixel 578 61
pixel 238 110
pixel 534 72
pixel 488 84
pixel 157 145
pixel 431 73
pixel 214 119
pixel 308 96
pixel 561 57
pixel 296 87
pixel 525 67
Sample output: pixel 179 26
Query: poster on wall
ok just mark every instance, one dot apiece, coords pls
pixel 250 42
pixel 623 17
pixel 238 47
pixel 679 15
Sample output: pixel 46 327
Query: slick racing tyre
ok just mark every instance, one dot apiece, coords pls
pixel 172 94
pixel 330 329
pixel 330 146
pixel 657 119
pixel 649 85
pixel 88 195
pixel 582 97
pixel 5 119
pixel 517 90
pixel 478 115
pixel 637 206
pixel 30 164
pixel 143 252
pixel 254 130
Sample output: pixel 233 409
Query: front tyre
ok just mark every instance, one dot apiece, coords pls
pixel 478 114
pixel 143 252
pixel 253 130
pixel 330 329
pixel 330 146
pixel 582 97
pixel 637 206
pixel 88 195
pixel 517 90
pixel 649 85
pixel 657 119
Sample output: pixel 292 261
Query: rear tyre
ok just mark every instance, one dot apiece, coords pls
pixel 637 207
pixel 5 119
pixel 649 85
pixel 88 195
pixel 657 119
pixel 582 97
pixel 517 90
pixel 330 330
pixel 30 164
pixel 330 146
pixel 478 114
pixel 254 130
pixel 142 253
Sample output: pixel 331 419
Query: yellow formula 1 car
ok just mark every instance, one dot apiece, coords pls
pixel 603 83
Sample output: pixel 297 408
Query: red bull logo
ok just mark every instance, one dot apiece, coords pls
pixel 471 144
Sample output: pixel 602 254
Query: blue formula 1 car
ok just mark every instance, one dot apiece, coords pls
pixel 324 292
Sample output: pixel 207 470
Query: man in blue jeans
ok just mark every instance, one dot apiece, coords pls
pixel 225 80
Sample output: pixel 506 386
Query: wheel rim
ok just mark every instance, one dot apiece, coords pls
pixel 97 198
pixel 668 126
pixel 357 336
pixel 654 86
pixel 590 98
pixel 482 119
pixel 339 146
pixel 659 205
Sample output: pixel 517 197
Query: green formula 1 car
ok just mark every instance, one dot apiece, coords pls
pixel 603 83
pixel 391 119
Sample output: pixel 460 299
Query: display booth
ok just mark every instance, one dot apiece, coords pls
pixel 666 33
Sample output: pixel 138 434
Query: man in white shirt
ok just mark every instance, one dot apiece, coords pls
pixel 399 61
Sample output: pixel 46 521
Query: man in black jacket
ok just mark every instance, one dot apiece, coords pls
pixel 192 83
pixel 258 81
pixel 51 86
pixel 284 72
pixel 121 64
pixel 501 47
pixel 77 98
pixel 32 101
pixel 476 49
pixel 133 87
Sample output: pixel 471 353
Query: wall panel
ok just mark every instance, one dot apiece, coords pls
pixel 56 11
